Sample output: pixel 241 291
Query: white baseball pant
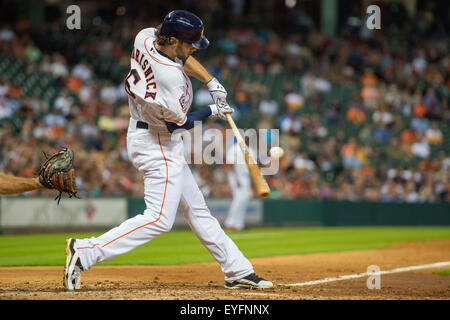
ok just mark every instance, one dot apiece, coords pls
pixel 169 185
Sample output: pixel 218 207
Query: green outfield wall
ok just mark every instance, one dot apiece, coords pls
pixel 347 213
pixel 283 212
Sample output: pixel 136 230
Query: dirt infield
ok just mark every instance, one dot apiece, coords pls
pixel 204 281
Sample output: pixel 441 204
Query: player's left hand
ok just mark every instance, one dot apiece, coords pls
pixel 221 109
pixel 217 91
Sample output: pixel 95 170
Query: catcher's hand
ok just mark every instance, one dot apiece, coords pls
pixel 58 173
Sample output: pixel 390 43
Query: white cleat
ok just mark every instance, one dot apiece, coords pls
pixel 250 281
pixel 73 268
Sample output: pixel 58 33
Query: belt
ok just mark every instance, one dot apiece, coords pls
pixel 141 125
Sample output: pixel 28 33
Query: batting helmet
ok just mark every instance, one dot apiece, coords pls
pixel 186 27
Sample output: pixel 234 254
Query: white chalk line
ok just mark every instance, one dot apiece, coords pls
pixel 367 274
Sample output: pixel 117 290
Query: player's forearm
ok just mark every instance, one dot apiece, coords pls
pixel 15 185
pixel 194 68
pixel 192 117
pixel 199 115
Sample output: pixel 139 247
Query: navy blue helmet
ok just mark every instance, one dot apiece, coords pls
pixel 186 27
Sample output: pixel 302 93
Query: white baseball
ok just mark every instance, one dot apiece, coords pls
pixel 276 152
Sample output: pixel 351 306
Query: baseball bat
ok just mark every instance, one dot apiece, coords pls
pixel 262 189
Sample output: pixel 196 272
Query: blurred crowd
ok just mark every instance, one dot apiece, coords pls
pixel 361 117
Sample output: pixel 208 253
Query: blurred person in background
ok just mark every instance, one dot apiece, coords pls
pixel 240 185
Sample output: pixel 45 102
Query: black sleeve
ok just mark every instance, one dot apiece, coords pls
pixel 199 115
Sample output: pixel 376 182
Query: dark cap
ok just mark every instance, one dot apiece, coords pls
pixel 186 27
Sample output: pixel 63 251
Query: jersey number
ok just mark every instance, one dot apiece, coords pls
pixel 137 78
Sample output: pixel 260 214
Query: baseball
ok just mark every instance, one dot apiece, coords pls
pixel 276 152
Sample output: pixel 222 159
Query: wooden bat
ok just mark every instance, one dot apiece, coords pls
pixel 262 189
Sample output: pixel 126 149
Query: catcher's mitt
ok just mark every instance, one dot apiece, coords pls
pixel 58 173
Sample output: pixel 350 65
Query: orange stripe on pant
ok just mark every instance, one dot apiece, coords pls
pixel 89 247
pixel 160 211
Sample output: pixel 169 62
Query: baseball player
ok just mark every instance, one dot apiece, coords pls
pixel 160 95
pixel 240 185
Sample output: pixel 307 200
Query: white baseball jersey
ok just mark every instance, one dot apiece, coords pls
pixel 160 91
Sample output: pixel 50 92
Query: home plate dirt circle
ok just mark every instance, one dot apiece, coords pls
pixel 204 281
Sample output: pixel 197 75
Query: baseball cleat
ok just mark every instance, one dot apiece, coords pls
pixel 73 268
pixel 250 281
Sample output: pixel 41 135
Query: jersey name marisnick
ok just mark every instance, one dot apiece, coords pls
pixel 148 72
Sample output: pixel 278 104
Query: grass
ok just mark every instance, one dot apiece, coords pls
pixel 181 246
pixel 445 271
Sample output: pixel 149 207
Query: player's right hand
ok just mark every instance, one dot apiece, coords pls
pixel 217 91
pixel 221 109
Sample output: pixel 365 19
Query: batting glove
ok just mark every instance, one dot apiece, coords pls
pixel 217 91
pixel 221 110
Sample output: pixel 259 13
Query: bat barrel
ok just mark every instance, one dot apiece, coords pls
pixel 261 186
